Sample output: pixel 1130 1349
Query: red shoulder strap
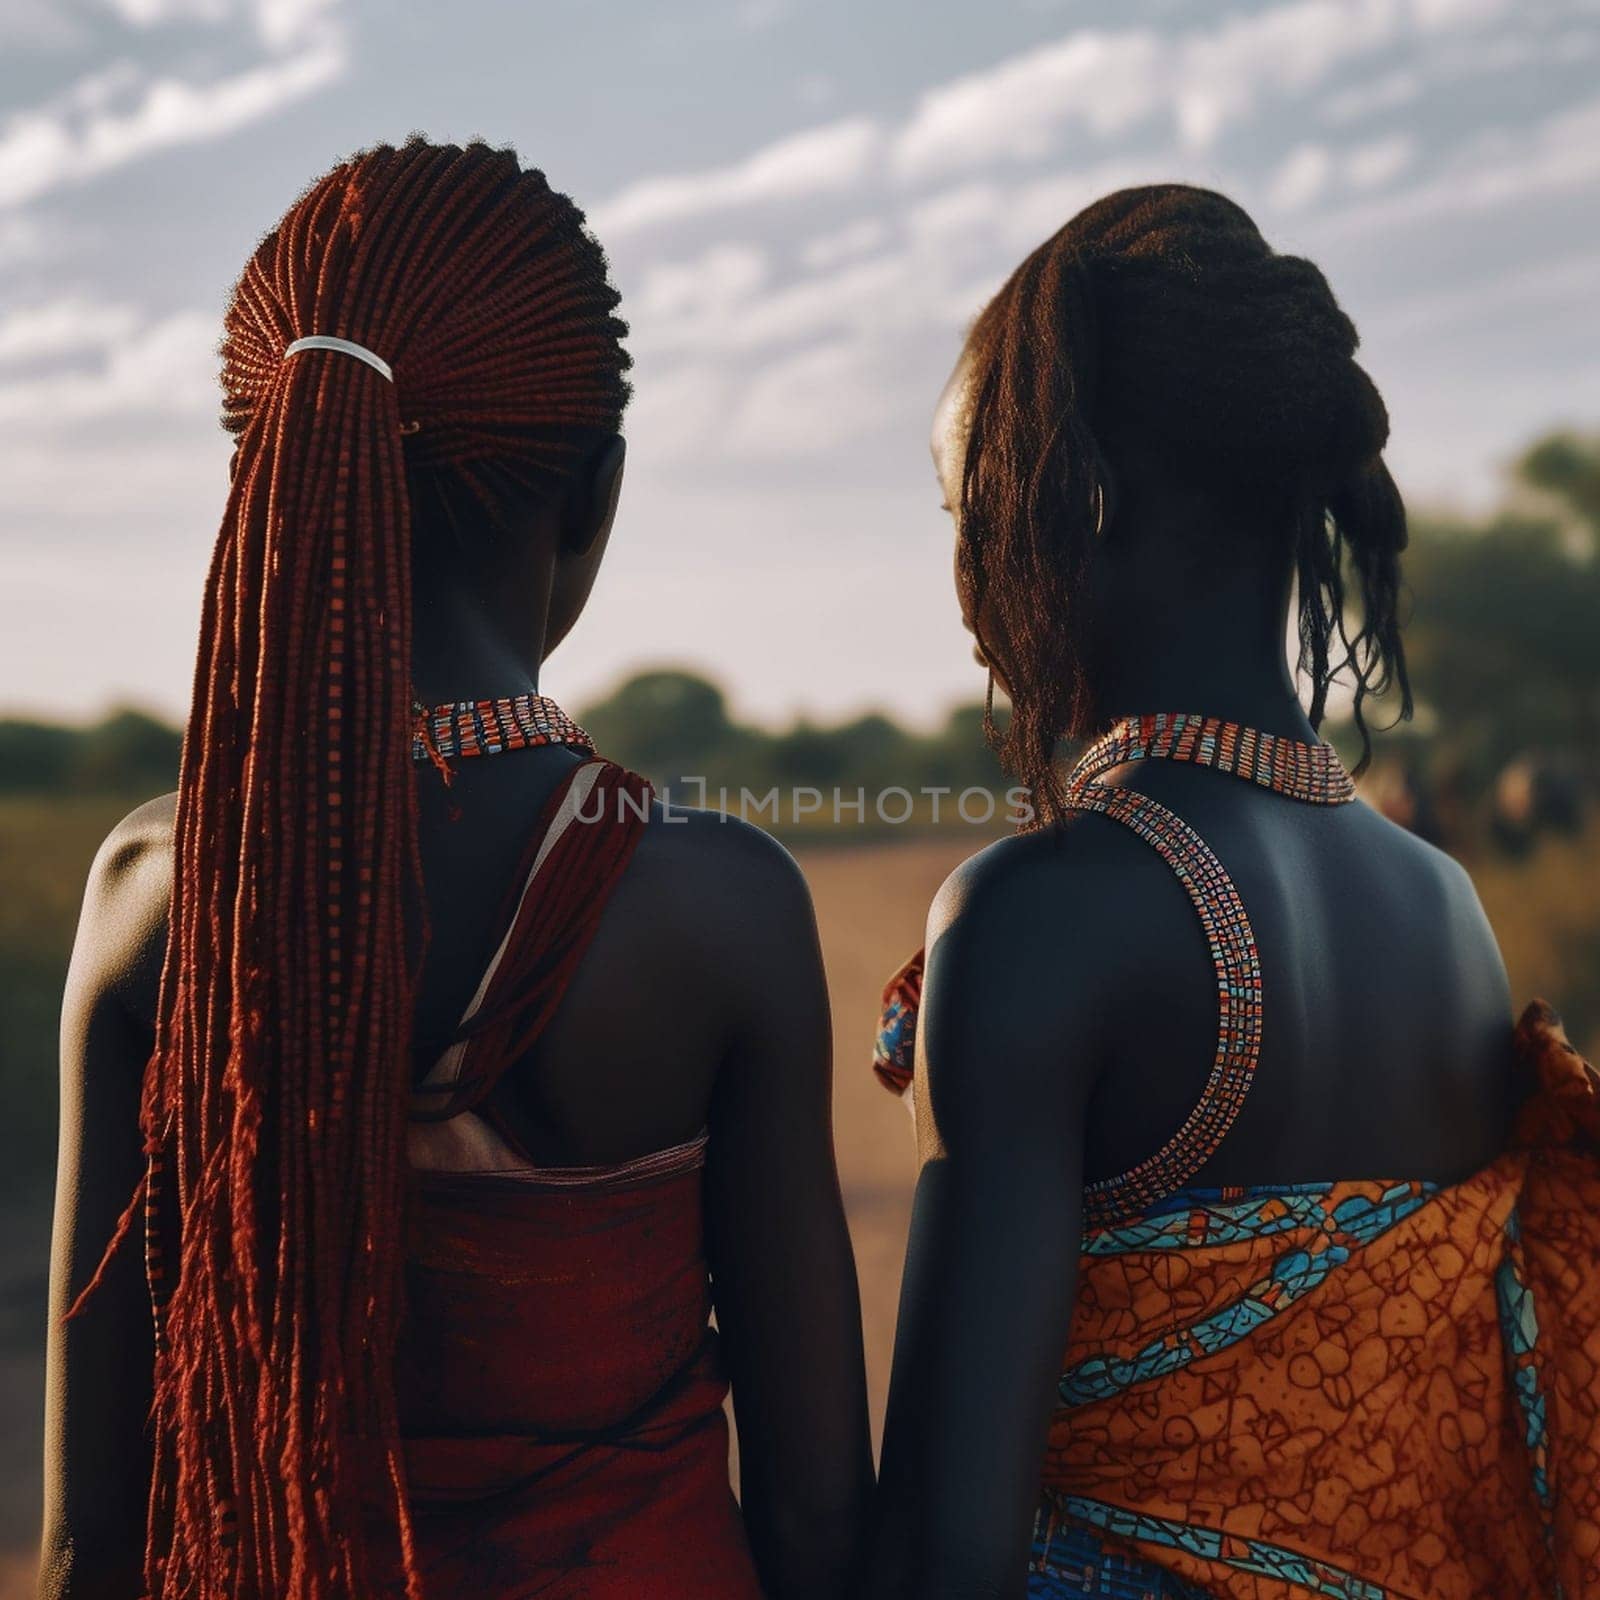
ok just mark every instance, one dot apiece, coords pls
pixel 590 830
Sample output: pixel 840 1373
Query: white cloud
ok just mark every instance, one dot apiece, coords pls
pixel 764 355
pixel 833 343
pixel 1568 281
pixel 1311 171
pixel 1501 169
pixel 818 161
pixel 167 366
pixel 1436 14
pixel 1372 96
pixel 857 238
pixel 1380 161
pixel 756 16
pixel 1032 211
pixel 808 403
pixel 711 283
pixel 284 23
pixel 281 24
pixel 982 222
pixel 151 13
pixel 26 239
pixel 73 482
pixel 1200 82
pixel 64 327
pixel 39 25
pixel 1104 81
pixel 1538 39
pixel 1101 83
pixel 1221 76
pixel 78 136
pixel 1301 177
pixel 676 412
pixel 868 297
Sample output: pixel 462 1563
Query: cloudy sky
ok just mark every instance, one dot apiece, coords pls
pixel 805 202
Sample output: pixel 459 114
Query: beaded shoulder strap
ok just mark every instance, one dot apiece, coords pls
pixel 1311 773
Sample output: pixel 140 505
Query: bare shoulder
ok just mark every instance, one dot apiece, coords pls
pixel 725 905
pixel 1027 891
pixel 722 858
pixel 122 931
pixel 1015 966
pixel 142 837
pixel 1425 872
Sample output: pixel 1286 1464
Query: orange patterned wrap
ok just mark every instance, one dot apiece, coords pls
pixel 1363 1390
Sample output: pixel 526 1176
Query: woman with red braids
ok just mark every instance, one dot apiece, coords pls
pixel 454 1077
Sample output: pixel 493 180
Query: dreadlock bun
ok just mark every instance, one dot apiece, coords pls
pixel 1239 360
pixel 1158 323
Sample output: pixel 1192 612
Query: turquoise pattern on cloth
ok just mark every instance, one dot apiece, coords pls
pixel 1519 1326
pixel 1208 1217
pixel 1084 1548
pixel 1068 1562
pixel 1255 1556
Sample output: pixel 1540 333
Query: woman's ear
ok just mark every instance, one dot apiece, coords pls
pixel 592 503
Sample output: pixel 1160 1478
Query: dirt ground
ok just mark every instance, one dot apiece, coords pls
pixel 871 905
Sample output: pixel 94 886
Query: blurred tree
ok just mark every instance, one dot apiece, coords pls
pixel 872 752
pixel 128 750
pixel 1567 466
pixel 959 756
pixel 1505 636
pixel 127 753
pixel 35 756
pixel 663 723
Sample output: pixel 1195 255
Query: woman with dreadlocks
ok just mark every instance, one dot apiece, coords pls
pixel 1316 1227
pixel 458 1078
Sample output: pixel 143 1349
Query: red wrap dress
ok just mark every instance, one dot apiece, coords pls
pixel 561 1400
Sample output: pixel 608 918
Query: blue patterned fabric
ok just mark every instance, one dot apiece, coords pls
pixel 1519 1326
pixel 1083 1547
pixel 1255 1556
pixel 1203 1217
pixel 1196 1218
pixel 1097 1550
pixel 1070 1560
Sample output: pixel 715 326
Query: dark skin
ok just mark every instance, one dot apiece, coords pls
pixel 1386 1051
pixel 711 936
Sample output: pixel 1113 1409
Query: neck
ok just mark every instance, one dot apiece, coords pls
pixel 1255 697
pixel 463 648
pixel 1217 647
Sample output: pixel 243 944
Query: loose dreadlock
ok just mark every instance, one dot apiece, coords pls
pixel 275 1102
pixel 1160 316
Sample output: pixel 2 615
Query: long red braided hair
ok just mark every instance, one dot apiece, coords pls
pixel 277 1095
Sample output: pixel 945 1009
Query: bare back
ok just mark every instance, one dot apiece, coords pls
pixel 1387 1018
pixel 700 1004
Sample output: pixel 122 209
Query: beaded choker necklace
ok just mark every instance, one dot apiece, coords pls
pixel 1310 772
pixel 488 727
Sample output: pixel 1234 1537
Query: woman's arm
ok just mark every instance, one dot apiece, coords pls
pixel 783 1272
pixel 100 1364
pixel 992 1259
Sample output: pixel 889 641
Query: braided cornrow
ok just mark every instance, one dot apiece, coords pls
pixel 1160 317
pixel 277 1091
